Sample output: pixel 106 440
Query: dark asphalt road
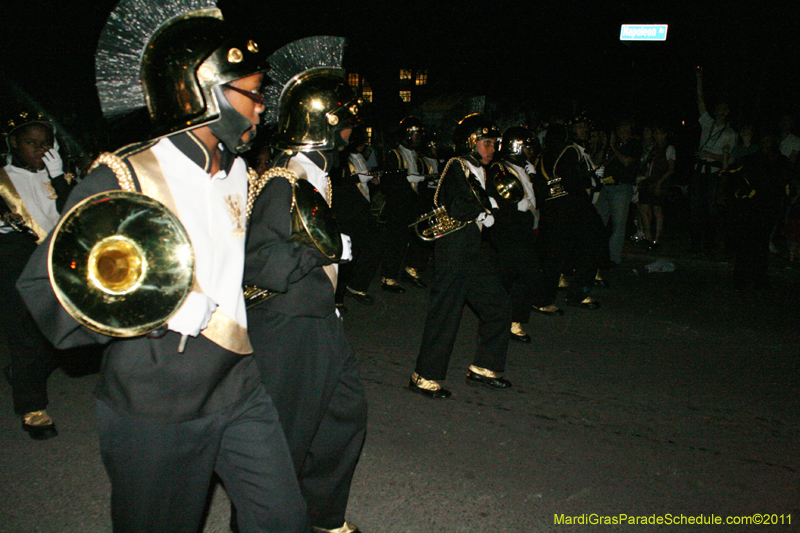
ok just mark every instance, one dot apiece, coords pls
pixel 679 396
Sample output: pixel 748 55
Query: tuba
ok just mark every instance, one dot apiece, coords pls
pixel 438 223
pixel 313 223
pixel 121 263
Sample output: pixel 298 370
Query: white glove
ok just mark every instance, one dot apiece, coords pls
pixel 347 249
pixel 53 163
pixel 193 316
pixel 364 178
pixel 486 220
pixel 600 172
pixel 494 203
pixel 529 168
pixel 415 178
pixel 524 205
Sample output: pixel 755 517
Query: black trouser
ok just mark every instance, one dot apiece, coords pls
pixel 161 473
pixel 464 278
pixel 518 271
pixel 367 249
pixel 570 238
pixel 33 358
pixel 311 373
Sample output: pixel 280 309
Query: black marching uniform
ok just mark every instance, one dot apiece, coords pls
pixel 33 358
pixel 169 420
pixel 570 231
pixel 404 204
pixel 306 362
pixel 465 272
pixel 352 209
pixel 513 237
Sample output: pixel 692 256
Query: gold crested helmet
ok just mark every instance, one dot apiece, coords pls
pixel 515 140
pixel 410 126
pixel 470 130
pixel 309 99
pixel 171 56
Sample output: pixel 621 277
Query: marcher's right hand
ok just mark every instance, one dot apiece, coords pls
pixel 415 178
pixel 193 316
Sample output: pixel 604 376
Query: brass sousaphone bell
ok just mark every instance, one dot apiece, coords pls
pixel 313 224
pixel 121 263
pixel 507 182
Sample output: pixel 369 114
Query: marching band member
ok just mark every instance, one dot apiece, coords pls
pixel 306 362
pixel 33 189
pixel 171 415
pixel 465 271
pixel 402 183
pixel 513 232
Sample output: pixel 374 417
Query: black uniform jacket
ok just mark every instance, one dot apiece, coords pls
pixel 278 262
pixel 142 376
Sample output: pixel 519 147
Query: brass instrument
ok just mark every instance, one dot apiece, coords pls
pixel 438 223
pixel 313 224
pixel 16 223
pixel 508 184
pixel 121 263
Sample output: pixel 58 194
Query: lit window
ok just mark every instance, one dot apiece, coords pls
pixel 352 79
pixel 405 74
pixel 405 96
pixel 422 78
pixel 366 93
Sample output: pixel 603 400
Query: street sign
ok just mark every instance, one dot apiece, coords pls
pixel 643 32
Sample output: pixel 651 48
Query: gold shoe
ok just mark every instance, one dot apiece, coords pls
pixel 427 387
pixel 39 425
pixel 518 334
pixel 346 528
pixel 550 310
pixel 562 282
pixel 390 285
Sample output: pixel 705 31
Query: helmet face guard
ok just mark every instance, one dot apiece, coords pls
pixel 185 61
pixel 313 109
pixel 513 145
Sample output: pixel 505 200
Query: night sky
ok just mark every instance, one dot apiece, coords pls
pixel 556 54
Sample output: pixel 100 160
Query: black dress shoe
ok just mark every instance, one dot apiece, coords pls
pixel 361 297
pixel 526 339
pixel 436 394
pixel 342 309
pixel 39 426
pixel 549 310
pixel 600 282
pixel 391 285
pixel 499 383
pixel 586 303
pixel 416 281
pixel 518 334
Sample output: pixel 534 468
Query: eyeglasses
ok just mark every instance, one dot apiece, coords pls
pixel 255 97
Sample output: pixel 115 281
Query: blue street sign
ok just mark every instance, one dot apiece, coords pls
pixel 643 32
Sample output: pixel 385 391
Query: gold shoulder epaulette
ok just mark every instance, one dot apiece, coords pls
pixel 256 183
